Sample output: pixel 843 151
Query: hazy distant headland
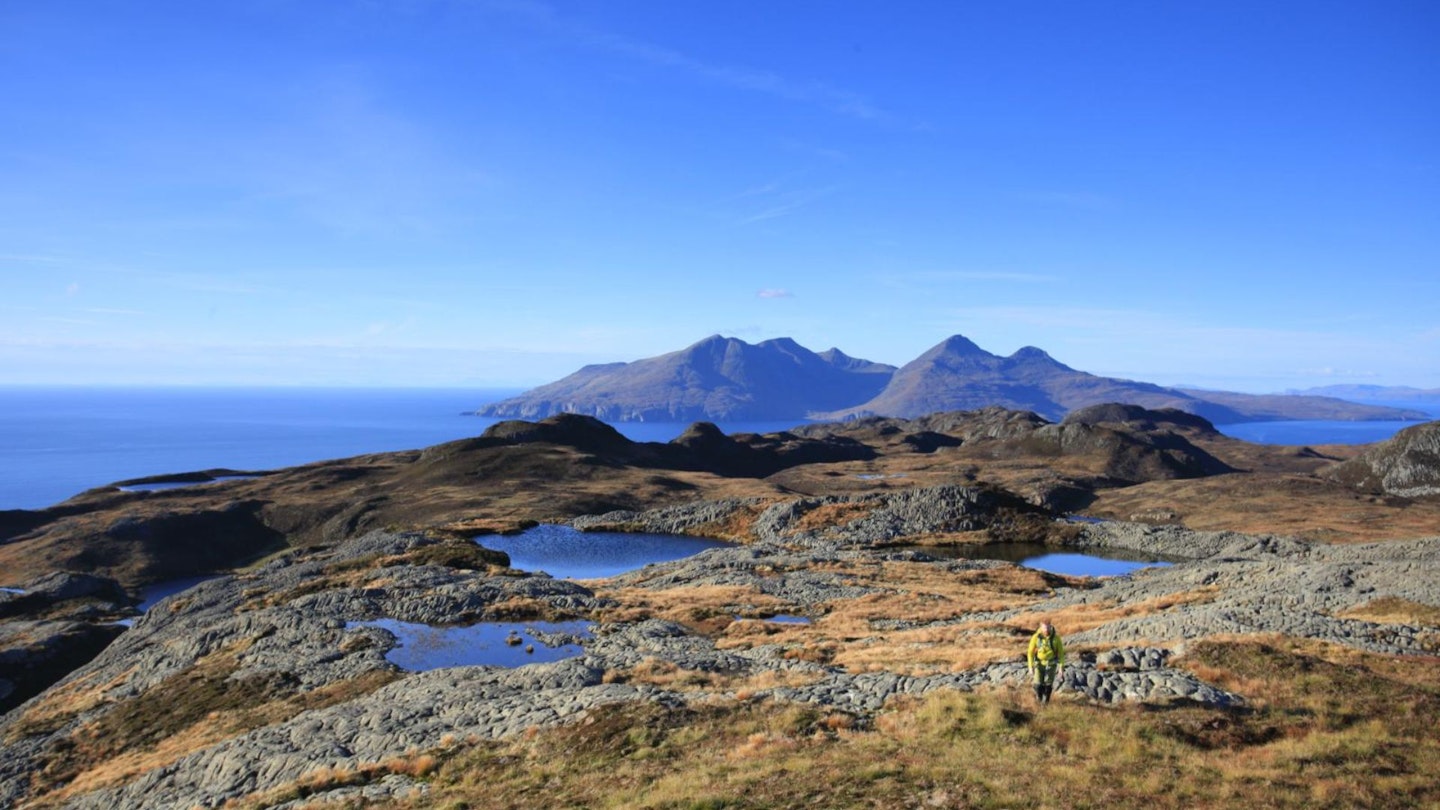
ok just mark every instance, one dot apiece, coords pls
pixel 1374 393
pixel 727 379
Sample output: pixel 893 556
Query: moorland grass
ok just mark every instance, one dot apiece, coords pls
pixel 1326 727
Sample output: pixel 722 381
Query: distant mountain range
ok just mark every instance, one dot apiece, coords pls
pixel 727 379
pixel 1374 393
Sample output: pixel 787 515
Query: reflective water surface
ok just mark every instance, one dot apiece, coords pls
pixel 501 644
pixel 161 485
pixel 779 618
pixel 1091 563
pixel 151 594
pixel 566 553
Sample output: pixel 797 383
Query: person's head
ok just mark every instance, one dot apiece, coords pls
pixel 1046 629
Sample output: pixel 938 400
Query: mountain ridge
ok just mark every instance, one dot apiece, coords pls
pixel 1372 393
pixel 726 379
pixel 717 378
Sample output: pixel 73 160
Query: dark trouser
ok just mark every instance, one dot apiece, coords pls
pixel 1044 680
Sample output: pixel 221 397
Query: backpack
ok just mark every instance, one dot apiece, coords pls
pixel 1045 650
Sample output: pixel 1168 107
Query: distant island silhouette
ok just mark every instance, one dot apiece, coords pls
pixel 726 379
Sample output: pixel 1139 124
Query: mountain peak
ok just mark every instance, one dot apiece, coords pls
pixel 715 378
pixel 714 340
pixel 1032 356
pixel 1030 353
pixel 725 378
pixel 961 346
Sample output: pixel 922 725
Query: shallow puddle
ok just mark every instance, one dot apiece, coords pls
pixel 1091 563
pixel 154 593
pixel 499 644
pixel 780 618
pixel 567 553
pixel 151 594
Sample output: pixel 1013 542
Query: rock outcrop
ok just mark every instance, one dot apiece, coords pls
pixel 870 520
pixel 55 624
pixel 1407 465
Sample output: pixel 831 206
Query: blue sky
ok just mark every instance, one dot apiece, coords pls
pixel 1230 195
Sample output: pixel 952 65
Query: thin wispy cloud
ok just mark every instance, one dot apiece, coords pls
pixel 206 283
pixel 827 153
pixel 779 203
pixel 174 280
pixel 759 190
pixel 740 77
pixel 29 258
pixel 774 292
pixel 345 153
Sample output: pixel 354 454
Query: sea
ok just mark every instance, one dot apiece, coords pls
pixel 56 442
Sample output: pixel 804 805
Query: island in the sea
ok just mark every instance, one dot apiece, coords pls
pixel 726 379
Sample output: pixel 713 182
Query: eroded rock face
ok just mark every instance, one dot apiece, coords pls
pixel 1407 465
pixel 36 654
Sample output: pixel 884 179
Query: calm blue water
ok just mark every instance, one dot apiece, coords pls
pixel 1086 565
pixel 779 618
pixel 1327 432
pixel 154 593
pixel 58 442
pixel 1308 433
pixel 1093 563
pixel 423 647
pixel 563 552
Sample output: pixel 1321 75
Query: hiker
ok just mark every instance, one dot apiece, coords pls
pixel 1045 657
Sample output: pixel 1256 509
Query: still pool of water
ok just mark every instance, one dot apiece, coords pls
pixel 1091 563
pixel 779 618
pixel 163 485
pixel 423 647
pixel 566 553
pixel 151 594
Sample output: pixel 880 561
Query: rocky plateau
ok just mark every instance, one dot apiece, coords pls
pixel 235 691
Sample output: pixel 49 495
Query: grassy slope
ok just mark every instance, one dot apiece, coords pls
pixel 1329 727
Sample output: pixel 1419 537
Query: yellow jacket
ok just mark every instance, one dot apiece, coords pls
pixel 1047 652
